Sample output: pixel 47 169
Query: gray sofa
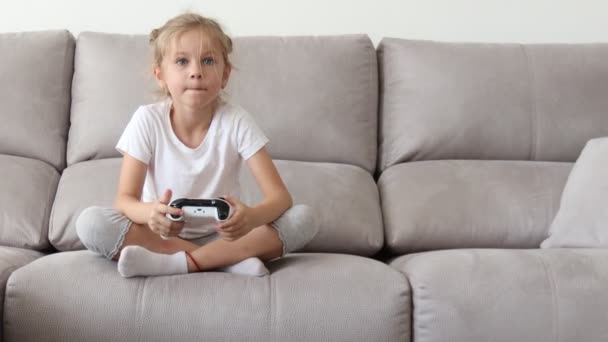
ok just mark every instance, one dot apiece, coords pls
pixel 436 170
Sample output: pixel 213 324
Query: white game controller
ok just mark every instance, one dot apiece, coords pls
pixel 216 208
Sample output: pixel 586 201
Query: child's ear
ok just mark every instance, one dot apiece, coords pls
pixel 226 75
pixel 156 72
pixel 158 77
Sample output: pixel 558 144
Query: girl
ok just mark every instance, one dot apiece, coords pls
pixel 192 144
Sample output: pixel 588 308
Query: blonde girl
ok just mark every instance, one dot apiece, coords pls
pixel 192 144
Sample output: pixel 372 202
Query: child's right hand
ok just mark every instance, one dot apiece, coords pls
pixel 158 221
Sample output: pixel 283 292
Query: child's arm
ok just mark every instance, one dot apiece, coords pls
pixel 130 185
pixel 276 199
pixel 128 200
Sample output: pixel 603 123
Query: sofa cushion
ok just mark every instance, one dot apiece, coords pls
pixel 28 189
pixel 82 185
pixel 307 297
pixel 444 100
pixel 112 77
pixel 314 97
pixel 344 196
pixel 582 219
pixel 508 295
pixel 35 77
pixel 464 203
pixel 11 259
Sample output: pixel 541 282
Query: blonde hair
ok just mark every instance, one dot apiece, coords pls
pixel 162 37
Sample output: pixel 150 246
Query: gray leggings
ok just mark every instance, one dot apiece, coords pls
pixel 102 229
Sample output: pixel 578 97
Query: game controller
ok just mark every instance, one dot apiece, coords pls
pixel 217 208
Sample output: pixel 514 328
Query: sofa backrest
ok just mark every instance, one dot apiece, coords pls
pixel 112 77
pixel 307 81
pixel 489 101
pixel 35 79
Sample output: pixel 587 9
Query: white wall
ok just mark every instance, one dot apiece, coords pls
pixel 450 20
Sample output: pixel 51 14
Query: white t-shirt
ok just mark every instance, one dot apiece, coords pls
pixel 207 171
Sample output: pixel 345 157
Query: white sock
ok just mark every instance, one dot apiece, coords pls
pixel 250 266
pixel 138 261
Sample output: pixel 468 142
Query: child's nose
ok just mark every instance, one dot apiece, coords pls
pixel 196 71
pixel 197 74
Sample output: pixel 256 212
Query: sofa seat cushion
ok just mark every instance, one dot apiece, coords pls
pixel 11 259
pixel 307 297
pixel 497 295
pixel 28 189
pixel 466 203
pixel 344 196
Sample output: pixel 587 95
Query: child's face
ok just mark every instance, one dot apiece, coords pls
pixel 193 70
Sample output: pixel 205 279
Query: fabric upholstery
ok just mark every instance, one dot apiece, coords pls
pixel 445 100
pixel 582 219
pixel 11 259
pixel 314 97
pixel 35 79
pixel 508 295
pixel 111 79
pixel 307 297
pixel 469 203
pixel 345 198
pixel 76 192
pixel 28 190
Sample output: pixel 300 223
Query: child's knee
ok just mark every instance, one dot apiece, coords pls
pixel 297 227
pixel 88 223
pixel 306 217
pixel 93 227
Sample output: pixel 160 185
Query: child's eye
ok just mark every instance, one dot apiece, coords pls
pixel 209 61
pixel 181 61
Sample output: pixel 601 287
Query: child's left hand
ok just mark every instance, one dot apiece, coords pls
pixel 239 224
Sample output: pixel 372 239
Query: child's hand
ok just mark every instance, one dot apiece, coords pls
pixel 158 221
pixel 239 224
